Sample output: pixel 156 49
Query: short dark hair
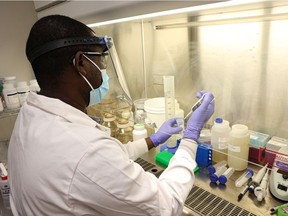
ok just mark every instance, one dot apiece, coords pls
pixel 48 67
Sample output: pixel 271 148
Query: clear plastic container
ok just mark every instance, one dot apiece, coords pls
pixel 213 168
pixel 244 178
pixel 219 139
pixel 226 175
pixel 215 176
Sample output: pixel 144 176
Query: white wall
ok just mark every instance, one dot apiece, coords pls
pixel 17 18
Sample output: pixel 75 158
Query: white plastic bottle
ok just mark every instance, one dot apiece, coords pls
pixel 22 90
pixel 219 139
pixel 10 96
pixel 11 79
pixel 139 132
pixel 238 148
pixel 34 87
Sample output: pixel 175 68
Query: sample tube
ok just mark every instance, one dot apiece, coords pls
pixel 213 168
pixel 215 176
pixel 244 178
pixel 226 175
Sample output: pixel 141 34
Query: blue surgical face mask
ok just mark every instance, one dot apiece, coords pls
pixel 97 95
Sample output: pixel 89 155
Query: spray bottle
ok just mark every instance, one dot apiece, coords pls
pixel 5 188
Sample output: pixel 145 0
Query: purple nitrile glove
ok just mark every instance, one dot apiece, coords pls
pixel 200 116
pixel 167 129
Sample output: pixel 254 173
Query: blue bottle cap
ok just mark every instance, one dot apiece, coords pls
pixel 250 172
pixel 211 169
pixel 218 120
pixel 213 178
pixel 222 179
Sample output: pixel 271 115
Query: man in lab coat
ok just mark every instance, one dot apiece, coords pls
pixel 61 162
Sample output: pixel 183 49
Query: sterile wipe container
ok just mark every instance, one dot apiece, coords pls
pixel 219 139
pixel 238 147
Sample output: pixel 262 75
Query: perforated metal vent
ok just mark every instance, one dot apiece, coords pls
pixel 204 203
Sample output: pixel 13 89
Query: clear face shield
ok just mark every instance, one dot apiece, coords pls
pixel 117 102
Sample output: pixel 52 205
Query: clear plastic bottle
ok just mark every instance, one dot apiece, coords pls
pixel 11 96
pixel 22 90
pixel 123 131
pixel 213 168
pixel 244 178
pixel 215 176
pixel 109 121
pixel 219 139
pixel 226 175
pixel 238 148
pixel 139 132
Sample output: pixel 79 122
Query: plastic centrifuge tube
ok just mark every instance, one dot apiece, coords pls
pixel 226 175
pixel 215 176
pixel 213 168
pixel 244 178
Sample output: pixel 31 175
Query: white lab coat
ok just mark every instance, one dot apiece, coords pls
pixel 61 162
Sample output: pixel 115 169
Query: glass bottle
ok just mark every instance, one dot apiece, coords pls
pixel 109 121
pixel 123 131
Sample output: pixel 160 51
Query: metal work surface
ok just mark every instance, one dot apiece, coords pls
pixel 207 198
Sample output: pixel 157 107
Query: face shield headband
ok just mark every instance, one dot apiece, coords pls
pixel 53 45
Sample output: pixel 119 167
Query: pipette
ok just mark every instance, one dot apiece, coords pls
pixel 196 105
pixel 257 178
pixel 261 191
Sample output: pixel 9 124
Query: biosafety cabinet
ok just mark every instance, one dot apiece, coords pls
pixel 236 49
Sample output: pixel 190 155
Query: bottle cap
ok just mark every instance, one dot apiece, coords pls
pixel 250 172
pixel 218 120
pixel 213 178
pixel 211 169
pixel 222 179
pixel 4 178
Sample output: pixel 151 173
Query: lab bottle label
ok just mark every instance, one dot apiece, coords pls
pixel 234 148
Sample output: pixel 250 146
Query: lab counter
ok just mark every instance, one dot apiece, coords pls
pixel 207 198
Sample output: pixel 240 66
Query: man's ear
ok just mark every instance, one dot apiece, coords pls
pixel 78 63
